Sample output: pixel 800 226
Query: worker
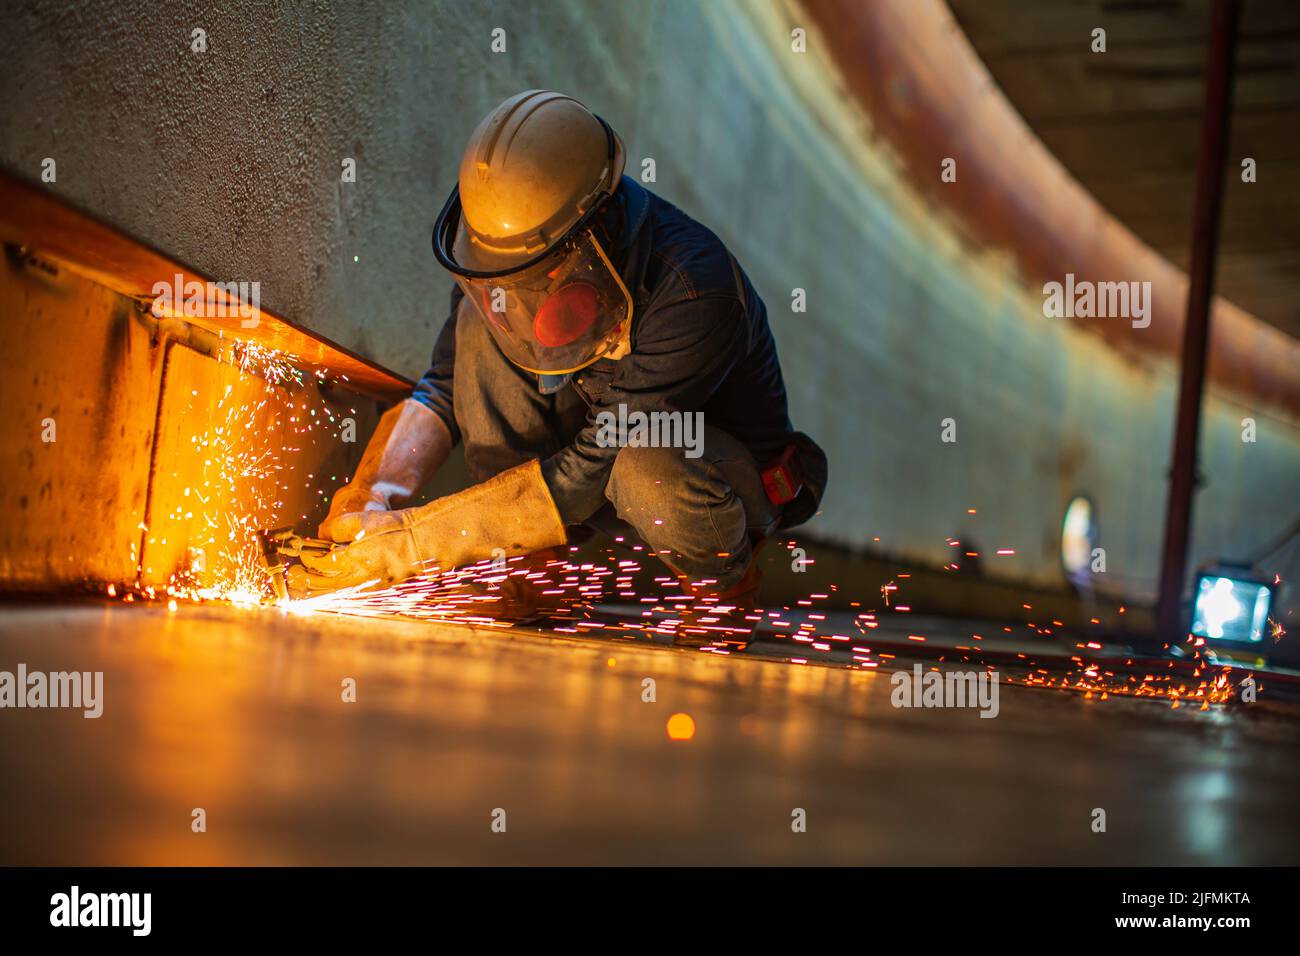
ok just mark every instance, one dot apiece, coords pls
pixel 581 301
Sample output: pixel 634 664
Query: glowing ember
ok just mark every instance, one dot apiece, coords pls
pixel 681 727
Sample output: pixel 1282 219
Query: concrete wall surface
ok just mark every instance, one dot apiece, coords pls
pixel 230 160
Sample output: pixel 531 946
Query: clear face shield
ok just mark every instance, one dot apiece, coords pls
pixel 559 314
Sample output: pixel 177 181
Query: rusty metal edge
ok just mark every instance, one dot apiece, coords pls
pixel 32 217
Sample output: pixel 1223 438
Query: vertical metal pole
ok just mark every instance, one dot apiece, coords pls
pixel 1196 333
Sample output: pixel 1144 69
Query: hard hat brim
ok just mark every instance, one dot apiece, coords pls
pixel 463 254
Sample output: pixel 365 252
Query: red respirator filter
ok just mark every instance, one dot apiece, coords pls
pixel 566 314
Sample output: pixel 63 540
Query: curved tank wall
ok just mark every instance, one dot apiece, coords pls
pixel 230 160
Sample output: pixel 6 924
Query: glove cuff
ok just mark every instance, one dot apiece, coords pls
pixel 513 512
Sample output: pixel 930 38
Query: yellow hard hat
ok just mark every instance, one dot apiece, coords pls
pixel 517 231
pixel 531 168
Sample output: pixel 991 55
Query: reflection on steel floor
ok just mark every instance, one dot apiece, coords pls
pixel 456 734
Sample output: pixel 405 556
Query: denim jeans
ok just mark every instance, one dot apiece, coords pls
pixel 699 515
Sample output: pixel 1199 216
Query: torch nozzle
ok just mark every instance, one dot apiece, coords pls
pixel 279 544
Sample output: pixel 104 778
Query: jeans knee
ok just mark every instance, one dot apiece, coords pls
pixel 647 483
pixel 685 509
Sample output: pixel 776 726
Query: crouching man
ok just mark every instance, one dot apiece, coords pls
pixel 581 299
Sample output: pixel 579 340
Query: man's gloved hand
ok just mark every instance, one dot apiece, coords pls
pixel 512 512
pixel 410 443
pixel 377 547
pixel 347 509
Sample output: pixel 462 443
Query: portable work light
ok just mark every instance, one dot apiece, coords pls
pixel 1231 606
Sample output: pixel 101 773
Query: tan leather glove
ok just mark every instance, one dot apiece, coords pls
pixel 513 512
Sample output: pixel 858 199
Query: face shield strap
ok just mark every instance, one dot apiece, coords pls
pixel 621 333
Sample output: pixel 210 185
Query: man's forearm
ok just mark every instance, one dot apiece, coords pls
pixel 407 449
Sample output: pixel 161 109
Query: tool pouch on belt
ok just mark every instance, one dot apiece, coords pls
pixel 796 480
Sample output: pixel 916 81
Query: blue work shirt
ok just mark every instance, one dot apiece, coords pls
pixel 700 343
